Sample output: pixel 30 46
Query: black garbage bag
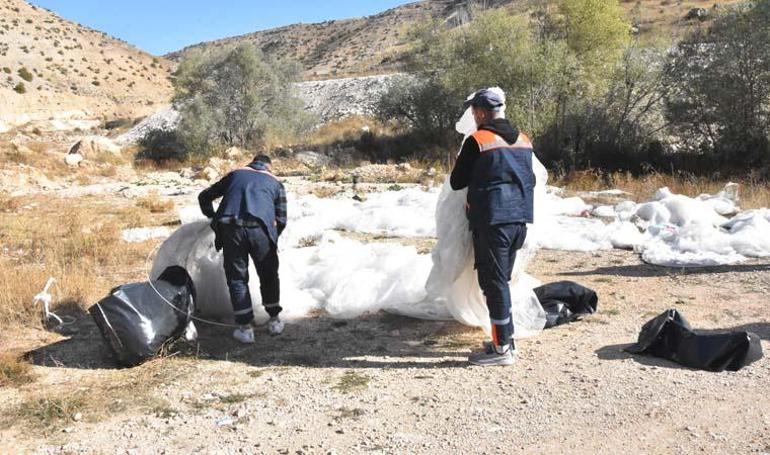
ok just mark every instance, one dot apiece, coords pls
pixel 136 320
pixel 670 336
pixel 565 302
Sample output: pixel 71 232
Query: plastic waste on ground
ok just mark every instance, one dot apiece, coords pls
pixel 671 337
pixel 565 302
pixel 138 235
pixel 322 270
pixel 137 319
pixel 669 230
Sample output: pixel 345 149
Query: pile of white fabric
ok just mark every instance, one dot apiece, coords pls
pixel 347 278
pixel 671 230
pixel 322 270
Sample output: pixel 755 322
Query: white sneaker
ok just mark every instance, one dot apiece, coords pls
pixel 275 326
pixel 485 359
pixel 244 334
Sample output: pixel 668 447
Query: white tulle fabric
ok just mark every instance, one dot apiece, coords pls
pixel 453 279
pixel 347 278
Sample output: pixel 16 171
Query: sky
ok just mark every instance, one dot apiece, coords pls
pixel 162 26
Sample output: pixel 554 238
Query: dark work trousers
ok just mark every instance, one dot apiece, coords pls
pixel 238 243
pixel 495 250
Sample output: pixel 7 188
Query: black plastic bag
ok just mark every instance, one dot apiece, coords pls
pixel 136 321
pixel 670 336
pixel 565 302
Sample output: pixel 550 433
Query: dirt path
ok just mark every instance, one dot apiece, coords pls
pixel 385 384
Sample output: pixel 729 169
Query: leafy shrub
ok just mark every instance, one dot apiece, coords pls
pixel 424 105
pixel 162 146
pixel 20 88
pixel 25 74
pixel 720 100
pixel 234 97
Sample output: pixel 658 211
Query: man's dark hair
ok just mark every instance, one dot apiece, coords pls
pixel 262 158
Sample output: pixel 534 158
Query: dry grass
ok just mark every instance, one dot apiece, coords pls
pixel 148 165
pixel 753 193
pixel 347 129
pixel 93 399
pixel 14 370
pixel 76 243
pixel 352 381
pixel 49 411
pixel 38 154
pixel 48 158
pixel 154 203
pixel 9 203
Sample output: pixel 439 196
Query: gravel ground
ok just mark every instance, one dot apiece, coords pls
pixel 386 384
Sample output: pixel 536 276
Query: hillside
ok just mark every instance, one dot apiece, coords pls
pixel 375 44
pixel 368 45
pixel 70 74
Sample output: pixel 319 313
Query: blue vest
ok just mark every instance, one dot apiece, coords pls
pixel 502 185
pixel 251 195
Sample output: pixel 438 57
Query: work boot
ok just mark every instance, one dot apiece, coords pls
pixel 496 356
pixel 275 326
pixel 244 334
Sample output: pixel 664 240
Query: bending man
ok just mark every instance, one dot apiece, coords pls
pixel 495 164
pixel 249 220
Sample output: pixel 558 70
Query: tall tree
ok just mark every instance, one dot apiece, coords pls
pixel 234 96
pixel 720 79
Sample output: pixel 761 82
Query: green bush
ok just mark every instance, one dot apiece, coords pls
pixel 25 74
pixel 720 78
pixel 6 70
pixel 424 105
pixel 234 97
pixel 571 81
pixel 20 88
pixel 161 146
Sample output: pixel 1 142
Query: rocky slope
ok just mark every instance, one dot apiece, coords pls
pixel 376 44
pixel 61 75
pixel 341 47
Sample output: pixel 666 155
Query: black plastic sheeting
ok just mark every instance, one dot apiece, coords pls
pixel 136 321
pixel 566 302
pixel 670 336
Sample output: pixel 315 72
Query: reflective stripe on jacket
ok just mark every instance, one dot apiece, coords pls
pixel 501 188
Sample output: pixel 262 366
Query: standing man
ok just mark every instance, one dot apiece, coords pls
pixel 495 164
pixel 249 220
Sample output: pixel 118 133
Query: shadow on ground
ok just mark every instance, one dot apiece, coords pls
pixel 618 351
pixel 648 270
pixel 376 341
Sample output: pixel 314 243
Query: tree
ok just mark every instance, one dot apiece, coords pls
pixel 233 97
pixel 497 49
pixel 596 30
pixel 569 81
pixel 720 79
pixel 421 104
